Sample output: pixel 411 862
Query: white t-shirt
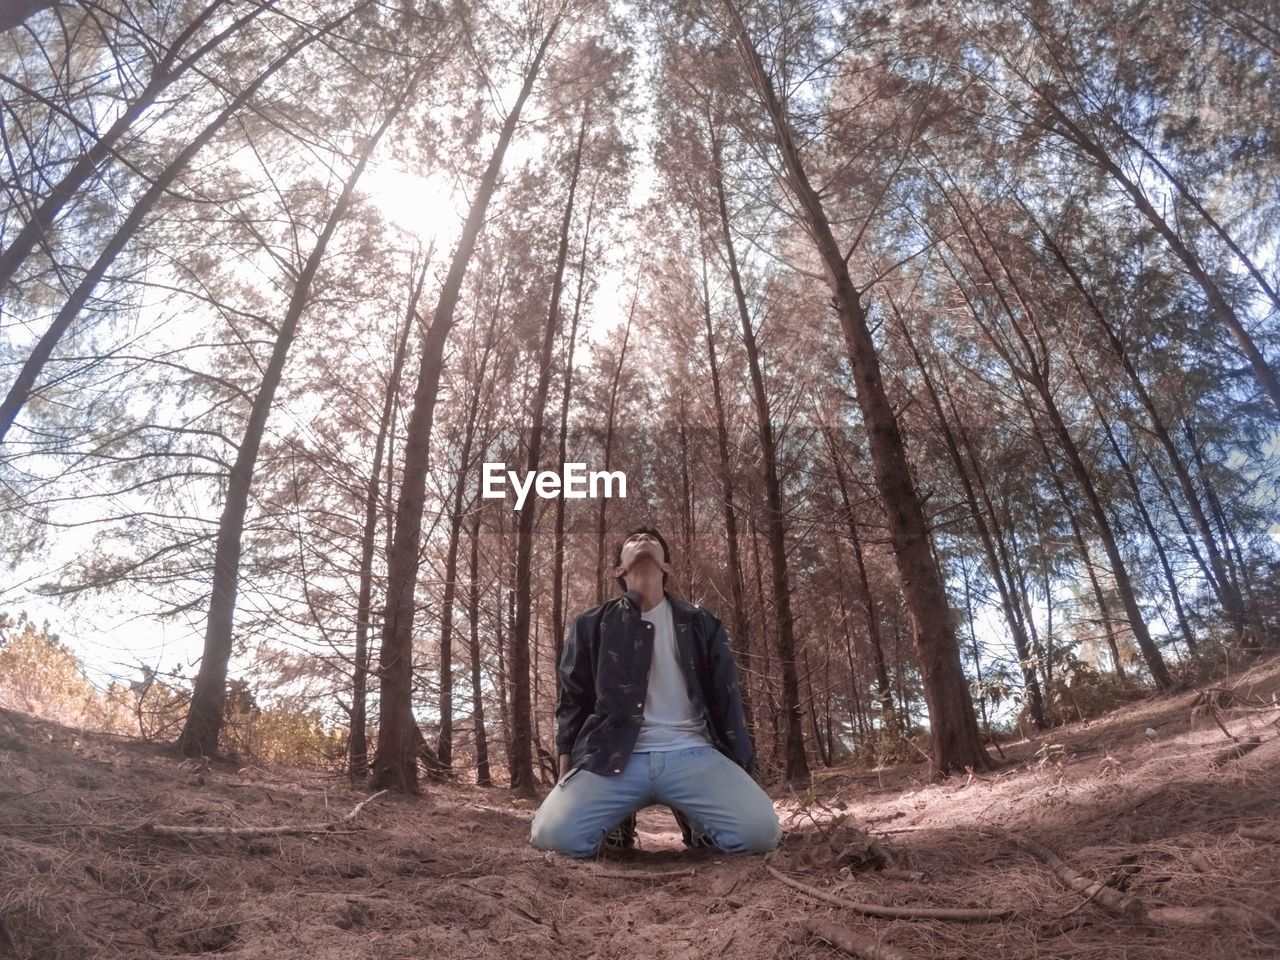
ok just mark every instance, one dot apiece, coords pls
pixel 670 720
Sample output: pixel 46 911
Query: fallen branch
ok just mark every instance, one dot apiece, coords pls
pixel 1265 834
pixel 641 875
pixel 854 944
pixel 1108 897
pixel 1236 751
pixel 894 913
pixel 286 829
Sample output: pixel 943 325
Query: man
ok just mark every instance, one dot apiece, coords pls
pixel 650 711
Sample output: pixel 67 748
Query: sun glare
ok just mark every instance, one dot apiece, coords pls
pixel 427 207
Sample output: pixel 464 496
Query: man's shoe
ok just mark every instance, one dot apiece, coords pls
pixel 693 838
pixel 622 835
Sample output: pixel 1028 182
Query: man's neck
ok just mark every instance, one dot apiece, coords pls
pixel 649 586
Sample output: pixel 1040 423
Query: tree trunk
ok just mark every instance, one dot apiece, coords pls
pixel 394 765
pixel 521 713
pixel 865 599
pixel 357 744
pixel 21 389
pixel 953 724
pixel 558 618
pixel 737 593
pixel 602 515
pixel 1036 374
pixel 1139 503
pixel 796 764
pixel 1222 585
pixel 1031 685
pixel 204 718
pixel 483 778
pixel 168 69
pixel 444 751
pixel 1263 370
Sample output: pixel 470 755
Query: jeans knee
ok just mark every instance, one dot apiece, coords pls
pixel 556 835
pixel 758 833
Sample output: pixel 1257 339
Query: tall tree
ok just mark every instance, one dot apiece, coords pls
pixel 395 763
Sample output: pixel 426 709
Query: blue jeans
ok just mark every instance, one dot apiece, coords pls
pixel 717 796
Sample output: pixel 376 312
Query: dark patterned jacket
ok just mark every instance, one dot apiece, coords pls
pixel 604 677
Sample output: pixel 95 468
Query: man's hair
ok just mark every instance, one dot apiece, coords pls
pixel 617 552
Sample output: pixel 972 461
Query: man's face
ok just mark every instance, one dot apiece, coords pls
pixel 638 549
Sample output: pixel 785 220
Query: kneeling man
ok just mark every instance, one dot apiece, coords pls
pixel 650 711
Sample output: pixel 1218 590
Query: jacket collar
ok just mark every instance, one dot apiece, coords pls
pixel 681 610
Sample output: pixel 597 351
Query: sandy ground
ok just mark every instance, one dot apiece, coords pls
pixel 451 874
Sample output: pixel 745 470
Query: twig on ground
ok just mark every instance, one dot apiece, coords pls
pixel 641 875
pixel 286 829
pixel 890 912
pixel 1265 834
pixel 1236 751
pixel 1109 897
pixel 854 944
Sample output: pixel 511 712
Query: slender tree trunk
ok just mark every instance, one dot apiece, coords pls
pixel 521 712
pixel 865 599
pixel 602 515
pixel 1082 546
pixel 737 593
pixel 20 391
pixel 558 618
pixel 483 777
pixel 766 672
pixel 1218 302
pixel 1216 573
pixel 395 766
pixel 444 751
pixel 171 67
pixel 796 765
pixel 358 745
pixel 857 721
pixel 957 742
pixel 1126 467
pixel 504 702
pixel 1031 685
pixel 820 744
pixel 1036 374
pixel 204 718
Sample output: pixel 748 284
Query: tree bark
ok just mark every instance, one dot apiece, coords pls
pixel 358 744
pixel 1031 685
pixel 865 599
pixel 444 750
pixel 796 764
pixel 611 414
pixel 737 593
pixel 204 719
pixel 521 714
pixel 957 742
pixel 394 765
pixel 558 618
pixel 168 69
pixel 20 391
pixel 483 778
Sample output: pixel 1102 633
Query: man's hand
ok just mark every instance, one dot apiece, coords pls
pixel 566 761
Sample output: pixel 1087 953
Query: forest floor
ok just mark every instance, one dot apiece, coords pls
pixel 451 874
